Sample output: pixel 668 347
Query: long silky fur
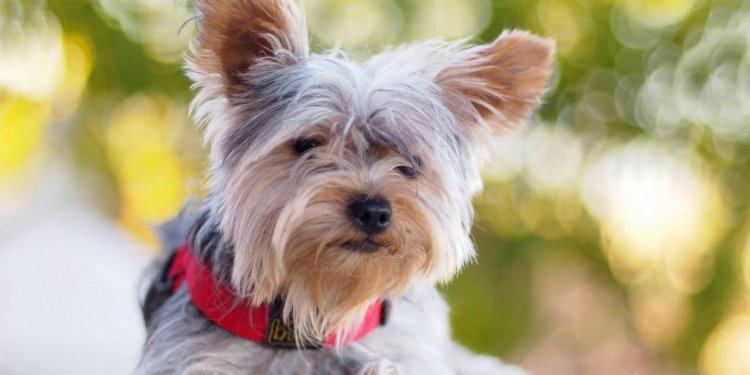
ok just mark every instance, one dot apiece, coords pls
pixel 276 222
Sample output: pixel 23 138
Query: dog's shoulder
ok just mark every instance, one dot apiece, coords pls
pixel 155 285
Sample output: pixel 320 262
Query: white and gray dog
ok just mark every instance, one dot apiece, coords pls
pixel 340 196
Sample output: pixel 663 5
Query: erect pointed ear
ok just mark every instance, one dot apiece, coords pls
pixel 234 35
pixel 499 84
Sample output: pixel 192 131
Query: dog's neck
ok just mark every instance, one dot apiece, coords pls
pixel 263 324
pixel 210 247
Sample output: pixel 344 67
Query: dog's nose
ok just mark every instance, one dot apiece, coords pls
pixel 371 216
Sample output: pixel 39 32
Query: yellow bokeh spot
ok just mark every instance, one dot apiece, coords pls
pixel 658 13
pixel 661 214
pixel 726 350
pixel 667 226
pixel 349 24
pixel 567 23
pixel 22 123
pixel 746 261
pixel 78 55
pixel 141 151
pixel 449 18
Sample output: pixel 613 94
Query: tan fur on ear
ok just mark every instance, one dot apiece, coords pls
pixel 234 34
pixel 503 81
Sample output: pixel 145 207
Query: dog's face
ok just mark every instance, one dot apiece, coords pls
pixel 340 183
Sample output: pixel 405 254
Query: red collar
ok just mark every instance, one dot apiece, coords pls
pixel 263 323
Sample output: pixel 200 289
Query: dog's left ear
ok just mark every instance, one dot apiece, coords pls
pixel 501 83
pixel 236 35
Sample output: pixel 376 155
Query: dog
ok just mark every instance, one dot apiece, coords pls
pixel 340 196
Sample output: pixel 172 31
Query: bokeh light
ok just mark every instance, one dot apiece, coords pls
pixel 351 24
pixel 569 23
pixel 78 62
pixel 658 211
pixel 657 13
pixel 31 50
pixel 448 18
pixel 706 84
pixel 726 350
pixel 22 123
pixel 161 26
pixel 141 142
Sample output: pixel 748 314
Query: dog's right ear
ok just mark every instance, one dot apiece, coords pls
pixel 235 35
pixel 499 84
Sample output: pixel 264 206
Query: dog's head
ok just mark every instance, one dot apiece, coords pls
pixel 339 183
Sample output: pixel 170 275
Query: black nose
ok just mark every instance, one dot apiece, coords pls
pixel 371 216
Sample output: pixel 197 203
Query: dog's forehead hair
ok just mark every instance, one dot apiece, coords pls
pixel 336 98
pixel 371 139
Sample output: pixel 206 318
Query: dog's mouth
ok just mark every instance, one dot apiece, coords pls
pixel 365 246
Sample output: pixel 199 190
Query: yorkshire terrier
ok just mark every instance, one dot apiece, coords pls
pixel 340 195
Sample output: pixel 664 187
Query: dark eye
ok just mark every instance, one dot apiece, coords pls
pixel 303 145
pixel 408 172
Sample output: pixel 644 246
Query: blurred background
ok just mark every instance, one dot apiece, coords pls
pixel 613 232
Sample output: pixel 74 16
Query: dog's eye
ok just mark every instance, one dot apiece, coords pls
pixel 408 172
pixel 303 145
